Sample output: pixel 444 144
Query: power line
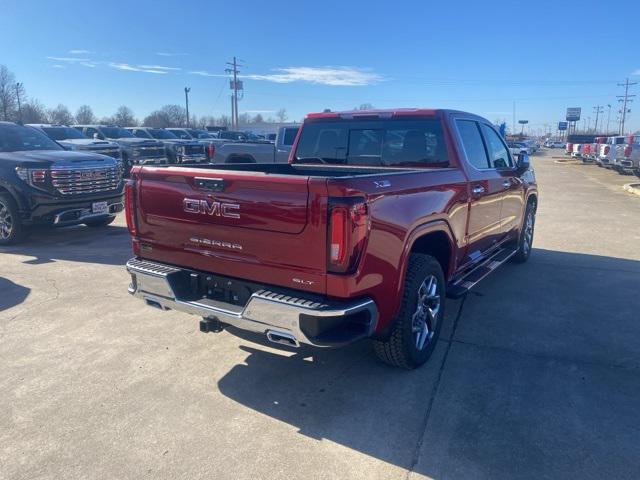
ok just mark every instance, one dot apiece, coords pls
pixel 598 109
pixel 625 99
pixel 236 85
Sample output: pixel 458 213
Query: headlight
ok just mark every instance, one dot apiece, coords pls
pixel 37 178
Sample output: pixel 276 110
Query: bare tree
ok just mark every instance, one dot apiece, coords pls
pixel 85 116
pixel 34 112
pixel 281 115
pixel 7 93
pixel 176 115
pixel 157 119
pixel 365 106
pixel 61 115
pixel 244 119
pixel 257 119
pixel 124 117
pixel 223 121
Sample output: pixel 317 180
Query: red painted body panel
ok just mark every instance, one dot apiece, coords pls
pixel 284 223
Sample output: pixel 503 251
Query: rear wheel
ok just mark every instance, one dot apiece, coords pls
pixel 103 222
pixel 416 330
pixel 11 229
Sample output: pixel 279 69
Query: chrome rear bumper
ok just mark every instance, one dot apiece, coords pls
pixel 308 321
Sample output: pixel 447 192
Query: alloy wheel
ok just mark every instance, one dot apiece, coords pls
pixel 528 232
pixel 6 222
pixel 425 317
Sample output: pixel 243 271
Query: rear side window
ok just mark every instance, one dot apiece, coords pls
pixel 383 142
pixel 289 136
pixel 472 143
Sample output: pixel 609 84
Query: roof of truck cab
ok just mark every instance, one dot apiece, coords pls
pixel 390 112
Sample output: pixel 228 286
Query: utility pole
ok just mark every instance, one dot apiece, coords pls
pixel 625 99
pixel 18 88
pixel 235 86
pixel 598 109
pixel 186 101
pixel 514 117
pixel 608 117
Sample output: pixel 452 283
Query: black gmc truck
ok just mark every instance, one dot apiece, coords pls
pixel 42 184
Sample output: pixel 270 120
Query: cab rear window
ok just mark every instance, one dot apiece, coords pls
pixel 384 142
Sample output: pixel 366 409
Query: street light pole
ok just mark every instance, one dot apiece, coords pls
pixel 18 88
pixel 186 99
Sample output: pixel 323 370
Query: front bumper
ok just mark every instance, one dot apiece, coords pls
pixel 80 215
pixel 45 209
pixel 289 315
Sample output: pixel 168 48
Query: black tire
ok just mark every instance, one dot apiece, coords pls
pixel 11 229
pixel 401 348
pixel 103 222
pixel 525 239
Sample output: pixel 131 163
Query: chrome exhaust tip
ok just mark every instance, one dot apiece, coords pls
pixel 282 338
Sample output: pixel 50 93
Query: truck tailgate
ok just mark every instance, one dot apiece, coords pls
pixel 263 227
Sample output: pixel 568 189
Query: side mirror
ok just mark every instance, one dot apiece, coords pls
pixel 523 163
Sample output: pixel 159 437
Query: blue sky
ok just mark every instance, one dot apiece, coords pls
pixel 306 56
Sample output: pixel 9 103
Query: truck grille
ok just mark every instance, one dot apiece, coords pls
pixel 111 152
pixel 145 152
pixel 77 181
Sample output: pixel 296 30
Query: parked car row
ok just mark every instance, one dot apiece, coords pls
pixel 620 153
pixel 158 146
pixel 43 183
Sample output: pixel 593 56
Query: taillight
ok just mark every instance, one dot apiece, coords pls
pixel 348 226
pixel 627 151
pixel 130 206
pixel 211 150
pixel 606 150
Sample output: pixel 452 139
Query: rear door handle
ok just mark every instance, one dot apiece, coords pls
pixel 506 183
pixel 477 190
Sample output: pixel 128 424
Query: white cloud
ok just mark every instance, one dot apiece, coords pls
pixel 167 54
pixel 57 65
pixel 259 111
pixel 69 59
pixel 79 52
pixel 636 72
pixel 135 68
pixel 88 64
pixel 204 73
pixel 334 76
pixel 157 67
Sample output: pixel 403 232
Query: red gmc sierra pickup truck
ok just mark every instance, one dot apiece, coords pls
pixel 377 217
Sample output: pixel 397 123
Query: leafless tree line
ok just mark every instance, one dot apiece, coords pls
pixel 16 106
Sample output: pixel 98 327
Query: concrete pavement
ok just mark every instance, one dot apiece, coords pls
pixel 537 373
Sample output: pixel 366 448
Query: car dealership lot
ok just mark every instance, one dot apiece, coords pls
pixel 535 375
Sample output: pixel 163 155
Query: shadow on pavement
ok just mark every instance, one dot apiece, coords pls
pixel 526 388
pixel 11 294
pixel 101 245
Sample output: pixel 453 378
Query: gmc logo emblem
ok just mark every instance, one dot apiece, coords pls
pixel 218 209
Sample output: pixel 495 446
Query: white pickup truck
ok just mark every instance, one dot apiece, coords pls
pixel 608 150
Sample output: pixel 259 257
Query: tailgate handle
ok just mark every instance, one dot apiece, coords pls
pixel 213 184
